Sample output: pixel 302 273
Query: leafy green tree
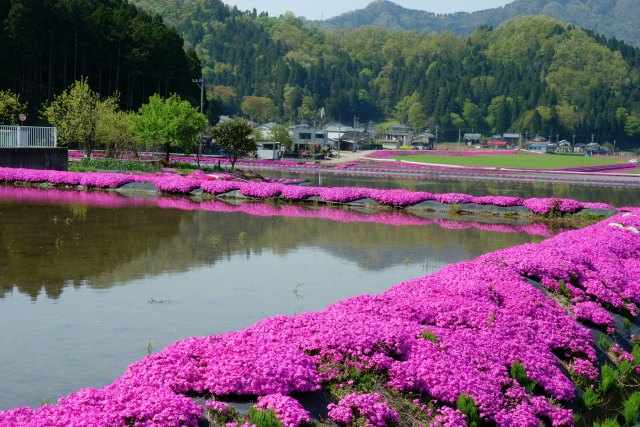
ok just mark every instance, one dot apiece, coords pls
pixel 258 107
pixel 472 114
pixel 168 121
pixel 283 136
pixel 632 125
pixel 75 113
pixel 235 138
pixel 10 107
pixel 113 129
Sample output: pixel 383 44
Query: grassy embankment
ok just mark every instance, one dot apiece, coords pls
pixel 521 161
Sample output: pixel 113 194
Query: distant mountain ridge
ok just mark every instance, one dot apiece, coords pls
pixel 613 18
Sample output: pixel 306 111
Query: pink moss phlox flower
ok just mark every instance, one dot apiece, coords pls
pixel 594 313
pixel 544 206
pixel 122 403
pixel 448 417
pixel 343 194
pixel 296 192
pixel 217 406
pixel 261 190
pixel 375 411
pixel 621 354
pixel 219 187
pixel 287 409
pixel 176 183
pixel 498 201
pixel 454 198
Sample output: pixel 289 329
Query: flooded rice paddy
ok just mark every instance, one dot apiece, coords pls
pixel 91 282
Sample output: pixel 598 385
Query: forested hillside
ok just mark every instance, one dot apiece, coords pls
pixel 531 74
pixel 613 18
pixel 45 45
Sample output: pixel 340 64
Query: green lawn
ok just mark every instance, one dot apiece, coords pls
pixel 521 161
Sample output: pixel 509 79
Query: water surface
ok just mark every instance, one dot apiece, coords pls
pixel 91 282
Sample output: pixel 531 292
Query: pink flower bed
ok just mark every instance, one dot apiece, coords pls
pixel 484 315
pixel 173 183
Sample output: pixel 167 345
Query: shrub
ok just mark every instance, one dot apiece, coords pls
pixel 264 418
pixel 519 373
pixel 609 422
pixel 467 405
pixel 630 409
pixel 590 398
pixel 609 378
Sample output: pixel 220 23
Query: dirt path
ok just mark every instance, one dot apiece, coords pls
pixel 347 156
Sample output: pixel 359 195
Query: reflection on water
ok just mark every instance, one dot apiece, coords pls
pixel 615 196
pixel 91 281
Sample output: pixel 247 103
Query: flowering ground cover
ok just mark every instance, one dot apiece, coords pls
pixel 507 338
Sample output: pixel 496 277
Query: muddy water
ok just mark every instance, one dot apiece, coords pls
pixel 91 282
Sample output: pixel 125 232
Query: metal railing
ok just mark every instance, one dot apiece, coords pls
pixel 28 136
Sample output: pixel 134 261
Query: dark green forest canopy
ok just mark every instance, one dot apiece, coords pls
pixel 614 18
pixel 533 74
pixel 45 45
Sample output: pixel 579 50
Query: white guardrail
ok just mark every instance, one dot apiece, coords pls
pixel 28 136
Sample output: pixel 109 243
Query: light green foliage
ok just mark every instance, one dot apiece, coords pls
pixel 234 136
pixel 264 418
pixel 609 378
pixel 625 368
pixel 430 336
pixel 258 107
pixel 630 409
pixel 590 398
pixel 113 129
pixel 75 113
pixel 580 65
pixel 632 125
pixel 636 354
pixel 609 422
pixel 519 373
pixel 283 137
pixel 10 107
pixel 166 122
pixel 467 405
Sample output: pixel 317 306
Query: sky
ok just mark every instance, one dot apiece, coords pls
pixel 330 8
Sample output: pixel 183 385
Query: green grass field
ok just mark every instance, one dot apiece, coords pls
pixel 519 161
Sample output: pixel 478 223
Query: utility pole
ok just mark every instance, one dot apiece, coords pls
pixel 354 134
pixel 275 128
pixel 200 83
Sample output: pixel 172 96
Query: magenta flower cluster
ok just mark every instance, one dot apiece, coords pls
pixel 287 409
pixel 371 407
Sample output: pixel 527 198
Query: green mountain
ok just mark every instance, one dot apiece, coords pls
pixel 613 18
